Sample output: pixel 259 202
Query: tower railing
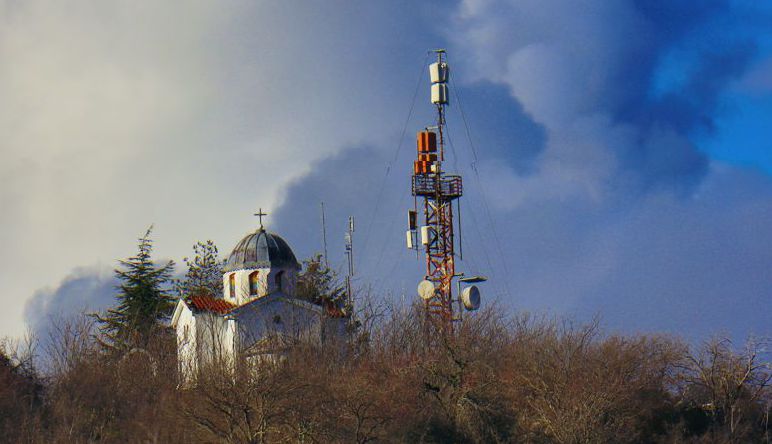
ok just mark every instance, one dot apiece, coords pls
pixel 446 187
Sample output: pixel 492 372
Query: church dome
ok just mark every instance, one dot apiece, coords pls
pixel 261 249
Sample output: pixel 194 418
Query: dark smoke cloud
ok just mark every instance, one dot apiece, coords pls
pixel 84 290
pixel 589 195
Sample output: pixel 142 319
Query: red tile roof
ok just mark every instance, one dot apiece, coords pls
pixel 206 303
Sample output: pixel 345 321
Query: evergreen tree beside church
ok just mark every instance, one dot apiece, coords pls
pixel 204 275
pixel 143 300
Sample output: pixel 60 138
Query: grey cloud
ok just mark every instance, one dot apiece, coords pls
pixel 569 64
pixel 653 263
pixel 695 267
pixel 83 290
pixel 352 183
pixel 125 113
pixel 600 200
pixel 129 113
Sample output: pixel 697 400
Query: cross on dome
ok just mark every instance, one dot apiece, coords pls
pixel 260 215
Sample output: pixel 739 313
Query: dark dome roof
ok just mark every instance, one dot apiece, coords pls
pixel 261 249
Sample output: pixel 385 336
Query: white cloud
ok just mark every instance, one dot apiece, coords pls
pixel 90 93
pixel 186 114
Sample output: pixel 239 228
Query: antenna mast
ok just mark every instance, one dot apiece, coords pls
pixel 438 191
pixel 350 256
pixel 324 236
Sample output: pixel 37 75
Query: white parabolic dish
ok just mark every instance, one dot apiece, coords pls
pixel 426 289
pixel 470 296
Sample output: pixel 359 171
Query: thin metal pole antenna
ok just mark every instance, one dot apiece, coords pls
pixel 324 237
pixel 350 257
pixel 460 239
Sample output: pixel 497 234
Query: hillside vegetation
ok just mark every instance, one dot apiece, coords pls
pixel 498 379
pixel 114 378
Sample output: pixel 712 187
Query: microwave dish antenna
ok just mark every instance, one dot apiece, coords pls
pixel 426 290
pixel 470 297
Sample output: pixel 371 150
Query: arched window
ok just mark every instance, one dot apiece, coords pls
pixel 254 279
pixel 277 280
pixel 232 285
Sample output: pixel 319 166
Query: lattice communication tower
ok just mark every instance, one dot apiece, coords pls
pixel 438 190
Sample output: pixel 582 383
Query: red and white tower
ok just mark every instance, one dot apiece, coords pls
pixel 438 191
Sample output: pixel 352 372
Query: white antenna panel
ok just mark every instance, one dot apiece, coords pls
pixel 440 94
pixel 470 297
pixel 426 233
pixel 438 72
pixel 409 235
pixel 426 290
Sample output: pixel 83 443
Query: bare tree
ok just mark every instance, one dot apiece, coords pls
pixel 728 384
pixel 580 387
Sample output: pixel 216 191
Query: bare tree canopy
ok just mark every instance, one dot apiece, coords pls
pixel 497 379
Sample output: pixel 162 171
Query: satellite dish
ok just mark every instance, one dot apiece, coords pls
pixel 426 290
pixel 470 297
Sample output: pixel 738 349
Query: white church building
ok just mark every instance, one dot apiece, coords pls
pixel 258 313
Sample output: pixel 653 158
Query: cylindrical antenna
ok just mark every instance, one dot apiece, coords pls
pixel 350 256
pixel 324 237
pixel 351 243
pixel 460 243
pixel 415 208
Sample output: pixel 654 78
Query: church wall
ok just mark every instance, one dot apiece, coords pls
pixel 241 280
pixel 289 277
pixel 279 317
pixel 226 288
pixel 214 340
pixel 230 338
pixel 186 343
pixel 266 283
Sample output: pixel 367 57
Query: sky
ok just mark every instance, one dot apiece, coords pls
pixel 616 155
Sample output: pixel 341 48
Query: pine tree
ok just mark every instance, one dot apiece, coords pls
pixel 319 284
pixel 142 299
pixel 205 270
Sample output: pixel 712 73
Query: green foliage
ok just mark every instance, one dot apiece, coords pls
pixel 142 299
pixel 205 270
pixel 319 284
